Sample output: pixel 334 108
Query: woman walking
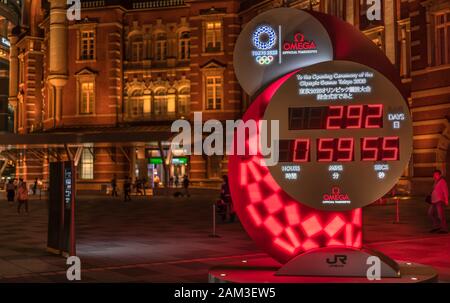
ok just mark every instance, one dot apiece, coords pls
pixel 22 197
pixel 10 191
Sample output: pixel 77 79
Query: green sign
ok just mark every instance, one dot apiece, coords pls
pixel 155 161
pixel 176 161
pixel 180 160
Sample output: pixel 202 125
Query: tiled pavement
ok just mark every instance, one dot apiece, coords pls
pixel 165 239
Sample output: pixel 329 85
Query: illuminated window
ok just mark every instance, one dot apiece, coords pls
pixel 161 47
pixel 87 45
pixel 183 100
pixel 136 104
pixel 185 46
pixel 213 36
pixel 147 101
pixel 161 104
pixel 442 38
pixel 214 92
pixel 171 104
pixel 87 99
pixel 87 164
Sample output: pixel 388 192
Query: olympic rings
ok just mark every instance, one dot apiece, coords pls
pixel 264 60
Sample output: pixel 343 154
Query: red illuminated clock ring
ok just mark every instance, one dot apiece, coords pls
pixel 343 126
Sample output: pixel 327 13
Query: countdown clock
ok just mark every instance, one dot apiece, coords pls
pixel 345 135
pixel 345 132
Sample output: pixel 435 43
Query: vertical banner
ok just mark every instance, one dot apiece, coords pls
pixel 61 214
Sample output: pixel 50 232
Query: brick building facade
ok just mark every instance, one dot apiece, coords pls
pixel 146 63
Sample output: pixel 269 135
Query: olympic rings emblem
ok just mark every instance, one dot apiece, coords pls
pixel 264 60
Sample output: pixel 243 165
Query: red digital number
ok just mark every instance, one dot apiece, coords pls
pixel 374 116
pixel 345 149
pixel 390 149
pixel 380 149
pixel 370 149
pixel 354 116
pixel 334 117
pixel 301 150
pixel 325 150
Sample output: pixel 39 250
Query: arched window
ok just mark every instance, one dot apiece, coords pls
pixel 161 47
pixel 136 104
pixel 184 46
pixel 160 102
pixel 183 100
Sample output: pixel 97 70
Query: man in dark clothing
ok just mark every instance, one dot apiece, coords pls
pixel 127 189
pixel 114 187
pixel 225 195
pixel 186 185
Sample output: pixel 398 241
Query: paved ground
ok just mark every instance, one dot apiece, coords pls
pixel 165 239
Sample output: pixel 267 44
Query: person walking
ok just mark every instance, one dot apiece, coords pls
pixel 10 191
pixel 22 197
pixel 186 185
pixel 177 181
pixel 114 187
pixel 225 195
pixel 439 199
pixel 127 190
pixel 35 185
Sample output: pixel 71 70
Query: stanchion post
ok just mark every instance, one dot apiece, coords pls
pixel 397 211
pixel 214 234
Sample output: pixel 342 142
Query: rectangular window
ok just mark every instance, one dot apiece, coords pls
pixel 161 47
pixel 185 46
pixel 442 38
pixel 214 88
pixel 87 164
pixel 87 98
pixel 137 51
pixel 87 45
pixel 213 36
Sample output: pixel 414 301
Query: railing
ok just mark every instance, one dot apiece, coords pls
pixel 149 4
pixel 157 4
pixel 92 4
pixel 155 117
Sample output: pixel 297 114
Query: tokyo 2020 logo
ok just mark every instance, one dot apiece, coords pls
pixel 264 39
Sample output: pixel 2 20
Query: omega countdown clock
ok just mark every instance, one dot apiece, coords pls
pixel 344 140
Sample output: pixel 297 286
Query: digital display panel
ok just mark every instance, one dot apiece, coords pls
pixel 344 128
pixel 336 117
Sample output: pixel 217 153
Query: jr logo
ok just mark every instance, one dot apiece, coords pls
pixel 338 260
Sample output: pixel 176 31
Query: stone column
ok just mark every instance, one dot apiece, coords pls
pixel 58 52
pixel 350 12
pixel 390 30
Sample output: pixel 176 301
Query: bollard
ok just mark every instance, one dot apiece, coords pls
pixel 214 234
pixel 397 211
